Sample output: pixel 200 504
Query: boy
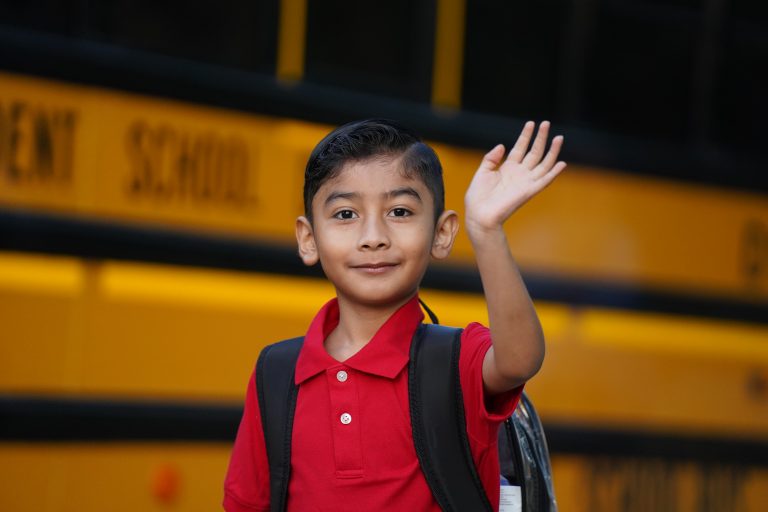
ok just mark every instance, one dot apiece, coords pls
pixel 374 218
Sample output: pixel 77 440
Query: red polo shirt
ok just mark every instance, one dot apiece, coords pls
pixel 352 444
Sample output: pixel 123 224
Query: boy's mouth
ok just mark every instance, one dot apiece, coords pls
pixel 375 268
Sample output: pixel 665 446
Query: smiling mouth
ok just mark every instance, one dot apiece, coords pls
pixel 375 268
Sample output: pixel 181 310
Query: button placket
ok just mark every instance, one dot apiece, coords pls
pixel 345 424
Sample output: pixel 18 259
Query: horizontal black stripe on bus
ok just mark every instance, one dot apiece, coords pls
pixel 62 419
pixel 45 233
pixel 41 419
pixel 91 63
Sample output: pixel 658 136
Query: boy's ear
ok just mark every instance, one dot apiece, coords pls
pixel 305 236
pixel 445 233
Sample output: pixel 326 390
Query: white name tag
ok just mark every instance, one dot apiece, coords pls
pixel 510 499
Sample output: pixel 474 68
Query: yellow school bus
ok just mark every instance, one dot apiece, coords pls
pixel 148 192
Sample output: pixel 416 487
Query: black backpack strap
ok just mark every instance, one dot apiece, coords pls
pixel 438 422
pixel 277 392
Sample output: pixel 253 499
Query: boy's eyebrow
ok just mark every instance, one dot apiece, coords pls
pixel 335 196
pixel 402 191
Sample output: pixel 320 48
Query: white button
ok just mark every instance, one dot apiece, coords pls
pixel 346 418
pixel 341 376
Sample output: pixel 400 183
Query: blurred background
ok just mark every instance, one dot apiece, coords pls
pixel 151 165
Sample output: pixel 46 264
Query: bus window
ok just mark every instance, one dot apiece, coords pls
pixel 232 33
pixel 639 68
pixel 512 55
pixel 741 110
pixel 376 47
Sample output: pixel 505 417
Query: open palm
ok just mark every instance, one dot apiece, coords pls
pixel 501 186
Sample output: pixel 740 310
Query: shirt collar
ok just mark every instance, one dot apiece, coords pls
pixel 384 355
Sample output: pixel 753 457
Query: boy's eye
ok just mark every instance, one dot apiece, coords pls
pixel 400 212
pixel 345 214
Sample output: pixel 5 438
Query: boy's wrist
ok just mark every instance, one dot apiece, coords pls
pixel 480 235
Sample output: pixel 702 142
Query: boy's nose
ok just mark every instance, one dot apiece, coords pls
pixel 374 235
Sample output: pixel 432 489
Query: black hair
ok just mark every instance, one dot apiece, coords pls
pixel 371 138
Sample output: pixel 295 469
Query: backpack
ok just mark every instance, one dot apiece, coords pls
pixel 450 472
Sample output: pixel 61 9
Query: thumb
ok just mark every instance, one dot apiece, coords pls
pixel 493 158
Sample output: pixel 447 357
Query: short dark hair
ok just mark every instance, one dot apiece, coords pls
pixel 371 138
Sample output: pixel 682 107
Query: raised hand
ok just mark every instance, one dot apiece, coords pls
pixel 501 186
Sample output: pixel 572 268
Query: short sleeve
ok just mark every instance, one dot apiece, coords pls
pixel 246 486
pixel 483 412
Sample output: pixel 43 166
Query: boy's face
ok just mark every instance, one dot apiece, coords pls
pixel 374 232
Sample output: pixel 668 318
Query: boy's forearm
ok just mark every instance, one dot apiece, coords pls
pixel 501 186
pixel 518 340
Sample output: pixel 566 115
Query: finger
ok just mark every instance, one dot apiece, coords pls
pixel 533 157
pixel 550 158
pixel 521 146
pixel 551 175
pixel 493 158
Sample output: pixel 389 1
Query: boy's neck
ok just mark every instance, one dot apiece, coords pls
pixel 358 323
